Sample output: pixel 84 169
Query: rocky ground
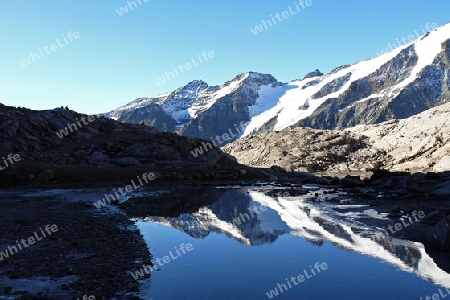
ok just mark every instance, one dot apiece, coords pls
pixel 299 149
pixel 418 144
pixel 90 253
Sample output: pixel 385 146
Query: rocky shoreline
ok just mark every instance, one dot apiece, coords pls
pixel 89 255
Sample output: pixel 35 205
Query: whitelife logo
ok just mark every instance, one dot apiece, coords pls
pixel 244 217
pixel 33 57
pixel 439 296
pixel 11 158
pixel 75 126
pixel 186 67
pixel 31 240
pixel 124 9
pixel 217 141
pixel 266 24
pixel 297 280
pixel 146 269
pixel 399 226
pixel 428 26
pixel 128 189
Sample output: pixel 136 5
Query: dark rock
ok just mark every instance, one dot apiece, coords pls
pixel 441 233
pixel 46 176
pixel 79 154
pixel 126 161
pixel 99 157
pixel 378 183
pixel 7 146
pixel 397 182
pixel 322 181
pixel 353 181
pixel 335 181
pixel 443 190
pixel 399 191
pixel 277 169
pixel 379 173
pixel 315 73
pixel 243 172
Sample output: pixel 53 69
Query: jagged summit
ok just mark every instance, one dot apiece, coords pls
pixel 312 74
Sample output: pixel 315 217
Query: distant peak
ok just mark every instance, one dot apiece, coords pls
pixel 258 75
pixel 315 73
pixel 255 76
pixel 194 84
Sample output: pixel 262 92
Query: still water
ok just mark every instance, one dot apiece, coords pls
pixel 246 244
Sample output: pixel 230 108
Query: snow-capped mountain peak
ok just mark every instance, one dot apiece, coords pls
pixel 398 84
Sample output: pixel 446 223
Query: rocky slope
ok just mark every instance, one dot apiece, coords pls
pixel 395 85
pixel 419 143
pixel 298 149
pixel 94 145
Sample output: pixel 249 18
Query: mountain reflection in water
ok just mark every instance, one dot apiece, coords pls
pixel 253 217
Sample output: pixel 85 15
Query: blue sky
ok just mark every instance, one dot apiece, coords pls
pixel 118 58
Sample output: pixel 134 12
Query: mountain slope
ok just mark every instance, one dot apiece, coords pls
pixel 421 142
pixel 418 143
pixel 396 85
pixel 193 110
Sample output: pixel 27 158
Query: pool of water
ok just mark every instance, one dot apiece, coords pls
pixel 249 245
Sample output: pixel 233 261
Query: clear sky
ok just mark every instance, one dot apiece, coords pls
pixel 109 60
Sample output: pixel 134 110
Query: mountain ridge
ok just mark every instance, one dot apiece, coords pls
pixel 395 85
